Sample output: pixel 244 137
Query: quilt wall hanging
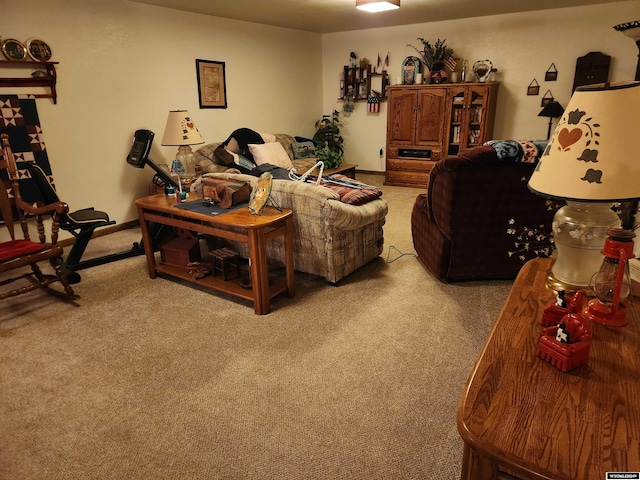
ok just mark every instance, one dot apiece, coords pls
pixel 19 119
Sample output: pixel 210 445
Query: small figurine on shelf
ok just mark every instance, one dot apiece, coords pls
pixel 352 59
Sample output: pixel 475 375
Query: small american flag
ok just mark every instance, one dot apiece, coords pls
pixel 451 63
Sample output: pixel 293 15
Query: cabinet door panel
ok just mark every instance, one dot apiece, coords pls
pixel 430 116
pixel 477 111
pixel 402 117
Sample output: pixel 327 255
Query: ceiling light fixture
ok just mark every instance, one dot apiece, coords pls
pixel 374 6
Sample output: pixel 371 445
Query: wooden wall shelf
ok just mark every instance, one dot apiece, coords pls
pixel 26 82
pixel 359 79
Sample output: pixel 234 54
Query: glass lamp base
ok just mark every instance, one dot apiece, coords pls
pixel 579 233
pixel 568 288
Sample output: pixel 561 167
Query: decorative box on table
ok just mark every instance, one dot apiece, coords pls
pixel 180 250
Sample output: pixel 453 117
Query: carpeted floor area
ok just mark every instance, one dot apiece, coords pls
pixel 158 379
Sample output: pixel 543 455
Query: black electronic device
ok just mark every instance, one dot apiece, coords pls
pixel 140 148
pixel 139 156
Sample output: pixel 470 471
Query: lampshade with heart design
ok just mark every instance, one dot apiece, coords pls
pixel 592 154
pixel 590 162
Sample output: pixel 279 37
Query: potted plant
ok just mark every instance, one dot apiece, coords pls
pixel 434 57
pixel 329 148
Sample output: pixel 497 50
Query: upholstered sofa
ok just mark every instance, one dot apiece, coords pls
pixel 208 162
pixel 478 219
pixel 331 238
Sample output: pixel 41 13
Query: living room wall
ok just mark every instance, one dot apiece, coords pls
pixel 521 46
pixel 124 65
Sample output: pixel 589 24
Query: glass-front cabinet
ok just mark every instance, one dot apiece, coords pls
pixel 470 112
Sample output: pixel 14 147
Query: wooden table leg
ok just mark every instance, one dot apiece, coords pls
pixel 288 257
pixel 476 467
pixel 259 270
pixel 148 245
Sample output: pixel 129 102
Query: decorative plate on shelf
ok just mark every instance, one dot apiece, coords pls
pixel 14 50
pixel 260 193
pixel 38 50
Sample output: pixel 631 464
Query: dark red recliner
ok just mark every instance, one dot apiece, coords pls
pixel 478 219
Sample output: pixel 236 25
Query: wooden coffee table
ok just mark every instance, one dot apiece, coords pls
pixel 520 417
pixel 241 225
pixel 347 169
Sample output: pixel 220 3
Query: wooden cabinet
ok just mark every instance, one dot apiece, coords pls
pixel 591 68
pixel 470 110
pixel 427 122
pixel 48 81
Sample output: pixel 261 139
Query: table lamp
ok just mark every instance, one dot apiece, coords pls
pixel 591 163
pixel 552 110
pixel 180 131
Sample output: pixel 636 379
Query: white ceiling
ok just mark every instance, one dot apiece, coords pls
pixel 327 16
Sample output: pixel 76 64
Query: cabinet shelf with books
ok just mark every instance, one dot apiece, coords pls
pixel 471 111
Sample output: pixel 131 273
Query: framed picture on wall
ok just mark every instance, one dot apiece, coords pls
pixel 212 84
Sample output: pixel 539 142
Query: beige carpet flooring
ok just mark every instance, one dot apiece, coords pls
pixel 158 379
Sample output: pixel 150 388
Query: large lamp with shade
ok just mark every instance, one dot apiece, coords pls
pixel 180 131
pixel 591 163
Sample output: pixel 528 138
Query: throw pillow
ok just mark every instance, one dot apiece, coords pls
pixel 272 153
pixel 351 195
pixel 243 161
pixel 268 137
pixel 303 150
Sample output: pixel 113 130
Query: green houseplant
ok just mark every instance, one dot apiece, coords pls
pixel 329 148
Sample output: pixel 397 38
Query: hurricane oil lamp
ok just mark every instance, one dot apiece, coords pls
pixel 611 285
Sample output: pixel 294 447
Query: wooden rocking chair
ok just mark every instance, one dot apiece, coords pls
pixel 15 254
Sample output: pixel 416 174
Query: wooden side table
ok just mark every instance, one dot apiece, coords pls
pixel 241 225
pixel 520 417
